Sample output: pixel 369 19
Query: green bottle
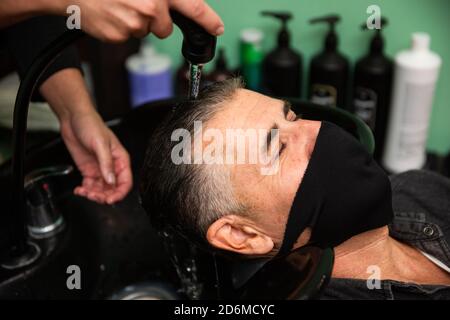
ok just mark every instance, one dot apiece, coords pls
pixel 251 56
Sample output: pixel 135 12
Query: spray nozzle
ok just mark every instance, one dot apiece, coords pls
pixel 199 46
pixel 377 44
pixel 284 17
pixel 331 41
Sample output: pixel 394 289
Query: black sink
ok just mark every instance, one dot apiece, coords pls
pixel 114 246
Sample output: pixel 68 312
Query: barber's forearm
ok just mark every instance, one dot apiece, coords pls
pixel 14 11
pixel 67 94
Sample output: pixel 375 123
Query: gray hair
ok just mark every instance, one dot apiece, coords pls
pixel 188 197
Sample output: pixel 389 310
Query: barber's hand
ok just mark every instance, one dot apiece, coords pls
pixel 102 160
pixel 117 20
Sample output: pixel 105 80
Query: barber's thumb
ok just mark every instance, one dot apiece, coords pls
pixel 105 161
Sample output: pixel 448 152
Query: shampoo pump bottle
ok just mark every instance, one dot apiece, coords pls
pixel 328 71
pixel 372 88
pixel 415 76
pixel 282 67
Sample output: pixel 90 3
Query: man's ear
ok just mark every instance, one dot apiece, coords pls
pixel 234 233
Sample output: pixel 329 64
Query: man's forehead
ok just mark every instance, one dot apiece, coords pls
pixel 248 109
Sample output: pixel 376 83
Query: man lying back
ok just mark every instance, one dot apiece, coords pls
pixel 241 172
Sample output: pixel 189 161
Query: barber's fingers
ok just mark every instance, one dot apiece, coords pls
pixel 153 17
pixel 161 24
pixel 201 13
pixel 102 150
pixel 124 21
pixel 146 16
pixel 123 173
pixel 133 22
pixel 90 193
pixel 95 187
pixel 98 191
pixel 116 195
pixel 97 197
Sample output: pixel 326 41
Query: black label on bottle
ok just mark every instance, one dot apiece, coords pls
pixel 365 103
pixel 324 95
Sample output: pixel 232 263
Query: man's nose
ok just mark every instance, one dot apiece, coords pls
pixel 295 130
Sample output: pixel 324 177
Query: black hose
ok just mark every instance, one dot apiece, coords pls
pixel 18 215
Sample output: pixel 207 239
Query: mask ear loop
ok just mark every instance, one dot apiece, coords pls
pixel 300 215
pixel 294 228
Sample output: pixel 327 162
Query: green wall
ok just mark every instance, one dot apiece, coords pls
pixel 405 17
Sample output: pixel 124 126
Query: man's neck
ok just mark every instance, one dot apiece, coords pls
pixel 358 257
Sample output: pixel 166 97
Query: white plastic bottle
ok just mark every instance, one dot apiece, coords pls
pixel 415 76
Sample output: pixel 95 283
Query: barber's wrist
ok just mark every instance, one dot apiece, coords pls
pixel 70 110
pixel 67 115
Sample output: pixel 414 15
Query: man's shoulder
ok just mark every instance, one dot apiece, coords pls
pixel 421 203
pixel 421 191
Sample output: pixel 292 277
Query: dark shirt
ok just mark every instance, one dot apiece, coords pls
pixel 421 202
pixel 26 39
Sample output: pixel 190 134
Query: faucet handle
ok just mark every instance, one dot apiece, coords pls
pixel 44 218
pixel 37 176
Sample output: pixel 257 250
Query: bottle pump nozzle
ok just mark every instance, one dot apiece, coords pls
pixel 377 44
pixel 331 41
pixel 284 17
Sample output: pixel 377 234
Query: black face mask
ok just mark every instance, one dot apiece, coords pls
pixel 343 192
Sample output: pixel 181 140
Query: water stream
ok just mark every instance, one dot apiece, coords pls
pixel 194 80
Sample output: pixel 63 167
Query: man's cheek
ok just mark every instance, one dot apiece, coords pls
pixel 292 175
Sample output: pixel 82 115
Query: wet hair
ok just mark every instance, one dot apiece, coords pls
pixel 188 197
